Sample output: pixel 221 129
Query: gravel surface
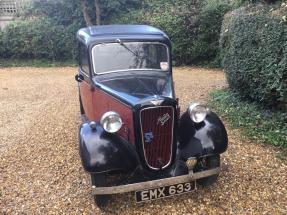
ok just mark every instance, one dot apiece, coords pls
pixel 41 173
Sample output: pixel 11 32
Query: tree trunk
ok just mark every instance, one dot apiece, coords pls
pixel 86 15
pixel 98 11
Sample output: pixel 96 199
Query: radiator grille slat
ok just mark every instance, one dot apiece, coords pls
pixel 157 135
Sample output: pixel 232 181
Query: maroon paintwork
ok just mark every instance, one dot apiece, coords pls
pixel 96 102
pixel 159 121
pixel 86 98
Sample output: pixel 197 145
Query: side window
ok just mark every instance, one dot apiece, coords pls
pixel 84 59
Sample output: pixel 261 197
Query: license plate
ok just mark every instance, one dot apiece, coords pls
pixel 162 192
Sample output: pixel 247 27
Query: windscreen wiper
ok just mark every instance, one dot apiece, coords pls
pixel 127 48
pixel 140 58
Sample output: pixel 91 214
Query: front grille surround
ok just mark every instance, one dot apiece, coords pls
pixel 164 136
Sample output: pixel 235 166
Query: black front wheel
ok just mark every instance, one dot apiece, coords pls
pixel 207 163
pixel 99 180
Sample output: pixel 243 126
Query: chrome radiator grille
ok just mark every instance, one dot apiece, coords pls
pixel 157 135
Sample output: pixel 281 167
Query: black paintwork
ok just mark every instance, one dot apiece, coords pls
pixel 110 33
pixel 102 152
pixel 205 138
pixel 133 87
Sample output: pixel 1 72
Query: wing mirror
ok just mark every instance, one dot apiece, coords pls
pixel 79 77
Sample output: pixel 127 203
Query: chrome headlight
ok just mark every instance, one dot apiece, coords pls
pixel 111 122
pixel 197 112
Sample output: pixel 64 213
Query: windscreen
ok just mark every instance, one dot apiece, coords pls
pixel 111 57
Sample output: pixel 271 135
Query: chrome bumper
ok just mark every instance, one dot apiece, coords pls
pixel 155 183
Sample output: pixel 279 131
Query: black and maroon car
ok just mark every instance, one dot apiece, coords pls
pixel 131 118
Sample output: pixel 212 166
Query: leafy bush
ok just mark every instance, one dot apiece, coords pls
pixel 35 63
pixel 254 121
pixel 37 38
pixel 48 28
pixel 193 26
pixel 60 12
pixel 254 49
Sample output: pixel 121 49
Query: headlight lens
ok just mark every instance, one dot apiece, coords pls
pixel 111 122
pixel 197 112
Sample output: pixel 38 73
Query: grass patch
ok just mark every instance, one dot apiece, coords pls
pixel 35 63
pixel 255 122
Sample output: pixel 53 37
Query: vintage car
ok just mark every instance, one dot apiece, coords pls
pixel 132 125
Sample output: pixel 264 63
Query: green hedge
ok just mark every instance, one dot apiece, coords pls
pixel 47 29
pixel 38 39
pixel 254 50
pixel 193 26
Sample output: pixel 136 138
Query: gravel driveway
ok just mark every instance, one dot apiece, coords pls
pixel 41 173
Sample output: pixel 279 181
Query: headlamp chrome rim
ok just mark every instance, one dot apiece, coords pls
pixel 197 112
pixel 111 117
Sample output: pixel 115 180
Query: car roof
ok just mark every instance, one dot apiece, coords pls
pixel 111 33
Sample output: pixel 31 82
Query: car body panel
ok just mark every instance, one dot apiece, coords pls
pixel 206 138
pixel 126 33
pixel 103 102
pixel 87 99
pixel 128 93
pixel 103 152
pixel 110 33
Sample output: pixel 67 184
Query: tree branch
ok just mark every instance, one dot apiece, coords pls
pixel 86 15
pixel 98 11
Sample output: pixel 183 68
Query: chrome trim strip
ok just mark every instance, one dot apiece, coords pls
pixel 155 183
pixel 142 134
pixel 126 70
pixel 84 73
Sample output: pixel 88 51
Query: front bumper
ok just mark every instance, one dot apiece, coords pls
pixel 155 183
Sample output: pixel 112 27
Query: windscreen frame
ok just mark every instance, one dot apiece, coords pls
pixel 133 69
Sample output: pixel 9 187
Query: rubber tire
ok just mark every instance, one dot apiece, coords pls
pixel 210 163
pixel 99 180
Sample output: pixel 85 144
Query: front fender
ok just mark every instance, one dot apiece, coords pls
pixel 103 152
pixel 200 139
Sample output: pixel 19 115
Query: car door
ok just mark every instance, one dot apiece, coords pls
pixel 85 88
